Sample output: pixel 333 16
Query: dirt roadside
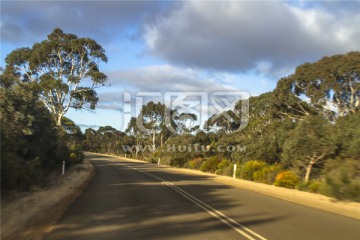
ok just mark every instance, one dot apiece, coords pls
pixel 344 208
pixel 30 216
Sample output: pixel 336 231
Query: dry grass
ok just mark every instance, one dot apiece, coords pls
pixel 26 215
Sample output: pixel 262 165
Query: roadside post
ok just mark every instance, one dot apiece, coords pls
pixel 63 168
pixel 234 174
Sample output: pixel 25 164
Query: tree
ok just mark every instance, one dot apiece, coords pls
pixel 56 68
pixel 264 134
pixel 310 144
pixel 183 122
pixel 228 121
pixel 151 121
pixel 90 142
pixel 30 144
pixel 135 137
pixel 288 105
pixel 347 136
pixel 108 138
pixel 332 86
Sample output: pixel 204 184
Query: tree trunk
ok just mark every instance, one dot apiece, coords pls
pixel 308 171
pixel 58 119
pixel 153 141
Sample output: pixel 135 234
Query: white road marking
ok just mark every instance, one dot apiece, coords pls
pixel 244 231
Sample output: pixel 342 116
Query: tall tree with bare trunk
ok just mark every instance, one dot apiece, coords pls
pixel 63 70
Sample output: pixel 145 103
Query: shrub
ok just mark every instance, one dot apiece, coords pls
pixel 76 154
pixel 286 179
pixel 302 186
pixel 267 174
pixel 195 163
pixel 210 164
pixel 177 162
pixel 342 179
pixel 249 168
pixel 223 167
pixel 314 186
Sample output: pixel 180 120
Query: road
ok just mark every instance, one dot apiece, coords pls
pixel 134 200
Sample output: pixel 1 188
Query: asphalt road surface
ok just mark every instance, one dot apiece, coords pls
pixel 135 200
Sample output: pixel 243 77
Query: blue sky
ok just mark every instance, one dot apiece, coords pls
pixel 161 46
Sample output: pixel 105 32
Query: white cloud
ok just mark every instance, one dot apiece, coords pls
pixel 164 78
pixel 238 35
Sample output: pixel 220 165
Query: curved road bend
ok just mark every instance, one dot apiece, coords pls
pixel 134 200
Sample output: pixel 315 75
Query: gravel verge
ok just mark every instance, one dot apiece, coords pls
pixel 29 216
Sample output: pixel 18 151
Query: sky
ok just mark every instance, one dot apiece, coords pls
pixel 186 46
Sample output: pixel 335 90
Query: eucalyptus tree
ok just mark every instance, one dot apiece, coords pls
pixel 151 121
pixel 135 137
pixel 330 86
pixel 226 121
pixel 30 145
pixel 309 145
pixel 57 69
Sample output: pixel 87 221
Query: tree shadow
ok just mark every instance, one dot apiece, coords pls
pixel 121 203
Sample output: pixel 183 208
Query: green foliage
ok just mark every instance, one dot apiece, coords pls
pixel 267 174
pixel 77 156
pixel 342 179
pixel 210 164
pixel 31 146
pixel 347 136
pixel 314 186
pixel 310 144
pixel 178 161
pixel 224 167
pixel 215 164
pixel 105 140
pixel 227 121
pixel 249 168
pixel 287 179
pixel 195 163
pixel 55 67
pixel 334 79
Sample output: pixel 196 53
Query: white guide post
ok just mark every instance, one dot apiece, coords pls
pixel 234 174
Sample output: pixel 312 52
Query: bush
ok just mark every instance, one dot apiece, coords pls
pixel 31 145
pixel 342 179
pixel 224 167
pixel 341 190
pixel 267 174
pixel 177 162
pixel 286 179
pixel 302 186
pixel 76 155
pixel 249 168
pixel 210 164
pixel 314 186
pixel 195 163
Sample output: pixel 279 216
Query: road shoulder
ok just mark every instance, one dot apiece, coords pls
pixel 32 215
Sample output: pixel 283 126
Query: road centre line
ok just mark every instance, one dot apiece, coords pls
pixel 242 230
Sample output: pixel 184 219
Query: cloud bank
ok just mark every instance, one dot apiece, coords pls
pixel 238 35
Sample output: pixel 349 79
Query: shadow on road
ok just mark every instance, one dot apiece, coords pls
pixel 122 203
